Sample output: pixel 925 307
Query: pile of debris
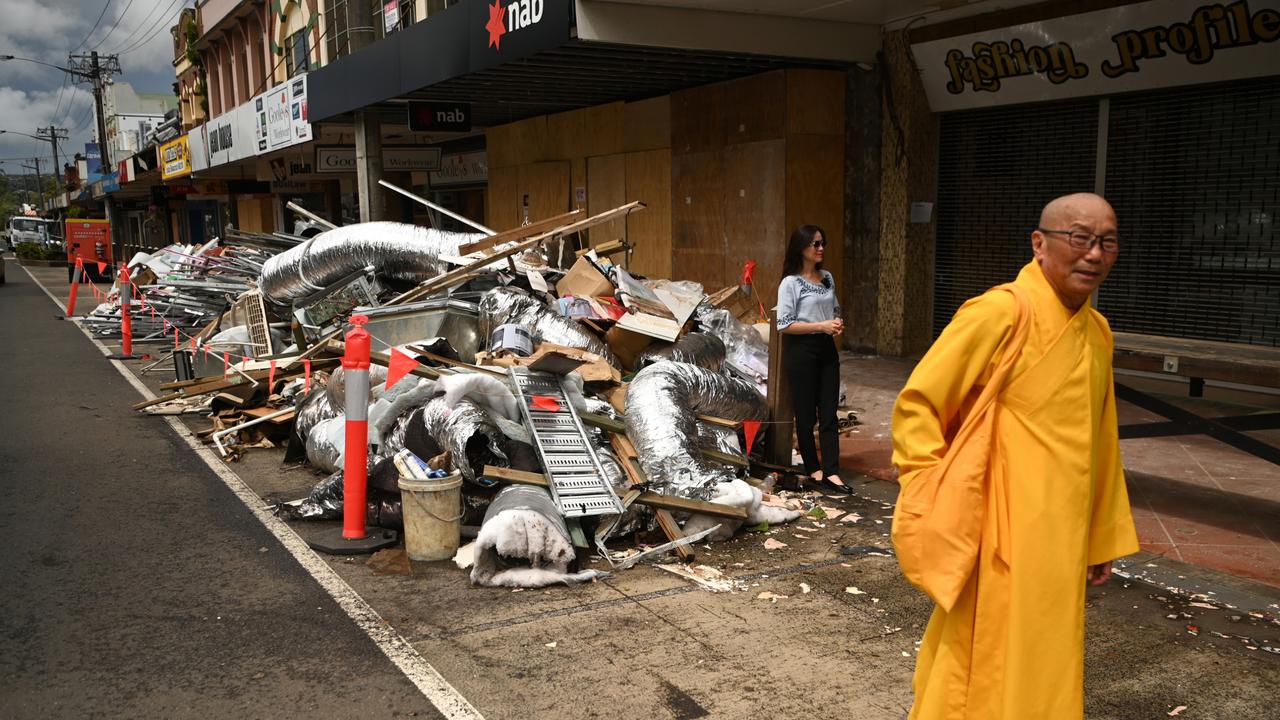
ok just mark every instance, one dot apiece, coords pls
pixel 580 406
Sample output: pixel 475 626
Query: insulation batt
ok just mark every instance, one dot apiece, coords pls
pixel 662 402
pixel 696 348
pixel 505 305
pixel 395 250
pixel 523 542
pixel 738 493
pixel 486 391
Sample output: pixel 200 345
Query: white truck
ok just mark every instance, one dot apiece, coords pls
pixel 43 232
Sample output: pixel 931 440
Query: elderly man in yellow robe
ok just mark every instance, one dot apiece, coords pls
pixel 1049 510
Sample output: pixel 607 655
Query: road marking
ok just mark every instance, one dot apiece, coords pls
pixel 433 686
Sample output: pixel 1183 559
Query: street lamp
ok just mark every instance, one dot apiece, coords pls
pixel 38 62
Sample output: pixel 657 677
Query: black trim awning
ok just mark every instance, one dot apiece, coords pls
pixel 448 57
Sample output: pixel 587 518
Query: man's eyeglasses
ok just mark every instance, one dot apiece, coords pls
pixel 818 243
pixel 1081 240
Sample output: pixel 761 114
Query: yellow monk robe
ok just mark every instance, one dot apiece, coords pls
pixel 1012 647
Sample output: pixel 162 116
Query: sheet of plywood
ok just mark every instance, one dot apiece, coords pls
pixel 755 213
pixel 564 135
pixel 647 124
pixel 697 201
pixel 649 231
pixel 755 108
pixel 578 179
pixel 607 188
pixel 603 130
pixel 547 186
pixel 500 146
pixel 502 198
pixel 815 192
pixel 697 119
pixel 815 102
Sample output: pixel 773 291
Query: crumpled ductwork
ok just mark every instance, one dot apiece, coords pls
pixel 464 430
pixel 395 250
pixel 743 345
pixel 313 408
pixel 696 348
pixel 662 402
pixel 510 305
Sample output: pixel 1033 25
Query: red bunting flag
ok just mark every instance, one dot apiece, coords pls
pixel 271 377
pixel 542 402
pixel 102 268
pixel 193 342
pixel 177 341
pixel 306 368
pixel 399 366
pixel 749 429
pixel 226 364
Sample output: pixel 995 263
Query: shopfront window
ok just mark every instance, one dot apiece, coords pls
pixel 296 52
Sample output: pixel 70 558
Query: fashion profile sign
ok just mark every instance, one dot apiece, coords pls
pixel 1146 45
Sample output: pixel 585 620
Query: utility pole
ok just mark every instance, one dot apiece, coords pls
pixel 39 181
pixel 368 124
pixel 97 70
pixel 53 135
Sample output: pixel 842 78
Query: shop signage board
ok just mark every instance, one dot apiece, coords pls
pixel 431 116
pixel 395 159
pixel 175 158
pixel 390 16
pixel 1161 43
pixel 509 29
pixel 199 149
pixel 229 137
pixel 461 169
pixel 280 116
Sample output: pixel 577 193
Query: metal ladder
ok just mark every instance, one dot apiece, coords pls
pixel 577 481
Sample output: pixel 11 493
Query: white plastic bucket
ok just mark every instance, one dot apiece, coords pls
pixel 432 510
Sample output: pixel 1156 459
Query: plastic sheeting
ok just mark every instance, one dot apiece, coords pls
pixel 696 348
pixel 313 408
pixel 662 401
pixel 743 345
pixel 395 250
pixel 503 305
pixel 523 542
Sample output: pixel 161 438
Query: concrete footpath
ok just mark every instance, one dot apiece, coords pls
pixel 791 642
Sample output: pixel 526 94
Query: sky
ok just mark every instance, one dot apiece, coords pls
pixel 34 96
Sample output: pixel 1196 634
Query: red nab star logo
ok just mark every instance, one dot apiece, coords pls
pixel 497 25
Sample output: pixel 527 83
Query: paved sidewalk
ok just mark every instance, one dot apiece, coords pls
pixel 1194 499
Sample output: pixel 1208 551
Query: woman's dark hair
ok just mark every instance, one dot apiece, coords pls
pixel 793 261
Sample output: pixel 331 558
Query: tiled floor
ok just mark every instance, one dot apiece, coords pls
pixel 1194 499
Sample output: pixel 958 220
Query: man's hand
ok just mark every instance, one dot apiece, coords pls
pixel 1099 574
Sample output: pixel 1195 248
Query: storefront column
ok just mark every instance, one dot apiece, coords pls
pixel 368 125
pixel 909 174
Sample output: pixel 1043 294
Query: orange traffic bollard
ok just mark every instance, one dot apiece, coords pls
pixel 75 287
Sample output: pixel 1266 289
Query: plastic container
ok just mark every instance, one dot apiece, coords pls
pixel 432 513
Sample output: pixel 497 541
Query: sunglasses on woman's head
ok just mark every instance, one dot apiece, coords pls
pixel 818 243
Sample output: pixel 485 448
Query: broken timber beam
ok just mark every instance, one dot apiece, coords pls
pixel 649 498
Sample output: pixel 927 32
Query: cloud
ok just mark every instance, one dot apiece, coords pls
pixel 47 30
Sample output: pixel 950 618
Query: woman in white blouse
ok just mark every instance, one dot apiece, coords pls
pixel 809 320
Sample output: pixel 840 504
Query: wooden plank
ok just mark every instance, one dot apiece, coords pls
pixel 607 188
pixel 649 498
pixel 607 249
pixel 515 476
pixel 781 413
pixel 258 412
pixel 456 363
pixel 649 181
pixel 384 359
pixel 678 504
pixel 698 240
pixel 672 530
pixel 522 232
pixel 1205 359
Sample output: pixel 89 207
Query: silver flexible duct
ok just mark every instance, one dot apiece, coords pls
pixel 465 430
pixel 662 402
pixel 510 305
pixel 395 250
pixel 697 348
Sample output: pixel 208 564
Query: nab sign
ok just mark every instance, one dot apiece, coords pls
pixel 439 116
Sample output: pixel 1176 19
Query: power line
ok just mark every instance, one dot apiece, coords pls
pixel 114 25
pixel 147 35
pixel 95 27
pixel 128 39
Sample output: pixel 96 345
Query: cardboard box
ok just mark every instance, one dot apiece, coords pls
pixel 584 280
pixel 626 345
